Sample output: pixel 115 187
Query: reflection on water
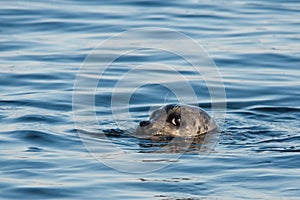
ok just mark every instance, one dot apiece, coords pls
pixel 255 46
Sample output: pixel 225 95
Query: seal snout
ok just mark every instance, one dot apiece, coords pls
pixel 144 123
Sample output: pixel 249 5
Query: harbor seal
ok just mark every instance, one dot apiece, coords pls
pixel 175 120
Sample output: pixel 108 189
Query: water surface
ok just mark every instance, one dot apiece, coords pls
pixel 254 45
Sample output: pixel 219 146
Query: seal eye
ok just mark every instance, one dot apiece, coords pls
pixel 175 121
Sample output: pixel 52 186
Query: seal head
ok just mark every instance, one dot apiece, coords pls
pixel 177 120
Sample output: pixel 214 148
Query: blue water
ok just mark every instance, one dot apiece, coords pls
pixel 53 147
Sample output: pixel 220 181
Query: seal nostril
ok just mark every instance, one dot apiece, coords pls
pixel 144 123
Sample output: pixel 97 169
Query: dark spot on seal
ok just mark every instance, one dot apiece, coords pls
pixel 144 123
pixel 170 107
